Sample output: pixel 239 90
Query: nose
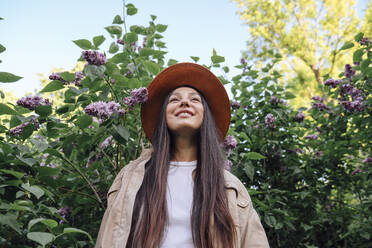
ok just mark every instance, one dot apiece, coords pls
pixel 184 102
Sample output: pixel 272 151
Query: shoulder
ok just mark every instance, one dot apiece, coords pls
pixel 145 155
pixel 242 195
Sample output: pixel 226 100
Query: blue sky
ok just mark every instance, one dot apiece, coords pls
pixel 38 34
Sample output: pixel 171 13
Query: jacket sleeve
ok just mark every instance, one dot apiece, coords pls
pixel 251 231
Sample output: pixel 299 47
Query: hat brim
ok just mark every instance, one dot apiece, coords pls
pixel 183 74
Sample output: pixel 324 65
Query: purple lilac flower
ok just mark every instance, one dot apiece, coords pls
pixel 365 41
pixel 137 96
pixel 367 160
pixel 19 129
pixel 106 143
pixel 230 143
pixel 228 165
pixel 127 73
pixel 121 112
pixel 312 137
pixel 332 83
pixel 144 43
pixel 275 101
pixel 235 105
pixel 242 61
pixel 93 159
pixel 65 213
pixel 32 102
pixel 78 77
pixel 299 117
pixel 352 106
pixel 317 98
pixel 318 153
pixel 270 121
pixel 101 109
pixel 320 106
pixel 120 41
pixel 94 57
pixel 349 72
pixel 356 171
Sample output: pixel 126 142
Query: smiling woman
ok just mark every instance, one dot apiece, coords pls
pixel 178 194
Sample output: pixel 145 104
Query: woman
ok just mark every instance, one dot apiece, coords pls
pixel 178 193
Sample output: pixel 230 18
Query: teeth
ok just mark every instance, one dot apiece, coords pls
pixel 184 114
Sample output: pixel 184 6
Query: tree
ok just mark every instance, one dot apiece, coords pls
pixel 307 34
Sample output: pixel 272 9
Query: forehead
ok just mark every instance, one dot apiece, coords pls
pixel 184 90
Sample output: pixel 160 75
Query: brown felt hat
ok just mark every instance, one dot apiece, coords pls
pixel 186 74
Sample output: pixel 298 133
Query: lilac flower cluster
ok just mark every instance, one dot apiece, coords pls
pixel 312 137
pixel 32 102
pixel 93 159
pixel 365 41
pixel 367 160
pixel 356 95
pixel 299 117
pixel 318 104
pixel 275 101
pixel 228 165
pixel 94 57
pixel 235 105
pixel 270 121
pixel 19 129
pixel 137 96
pixel 356 171
pixel 349 72
pixel 65 212
pixel 228 145
pixel 332 83
pixel 103 110
pixel 105 143
pixel 78 77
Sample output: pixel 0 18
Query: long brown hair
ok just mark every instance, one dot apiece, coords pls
pixel 210 204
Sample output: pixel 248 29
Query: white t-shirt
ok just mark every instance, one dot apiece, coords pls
pixel 179 200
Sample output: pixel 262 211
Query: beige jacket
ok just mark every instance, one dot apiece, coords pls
pixel 116 222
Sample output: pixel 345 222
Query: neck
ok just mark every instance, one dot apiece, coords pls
pixel 185 149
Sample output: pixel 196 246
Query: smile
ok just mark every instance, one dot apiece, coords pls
pixel 184 114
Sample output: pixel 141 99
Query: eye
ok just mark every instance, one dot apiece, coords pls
pixel 195 99
pixel 173 99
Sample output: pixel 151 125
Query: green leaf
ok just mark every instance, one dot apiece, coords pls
pixel 11 221
pixel 94 71
pixel 122 131
pixel 358 37
pixel 17 174
pixel 42 238
pixel 364 66
pixel 226 69
pixel 138 29
pixel 161 28
pixel 249 171
pixel 84 121
pixel 35 190
pixel 40 145
pixel 151 67
pixel 6 110
pixel 27 131
pixel 68 76
pixel 130 37
pixel 83 44
pixel 2 48
pixel 358 54
pixel 114 30
pixel 131 10
pixel 63 109
pixel 6 77
pixel 216 59
pixel 75 230
pixel 52 86
pixel 172 62
pixel 48 222
pixel 153 17
pixel 117 20
pixel 113 48
pixel 196 59
pixel 44 110
pixel 98 40
pixel 289 95
pixel 347 45
pixel 254 156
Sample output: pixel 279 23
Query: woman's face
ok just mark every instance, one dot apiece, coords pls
pixel 185 111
